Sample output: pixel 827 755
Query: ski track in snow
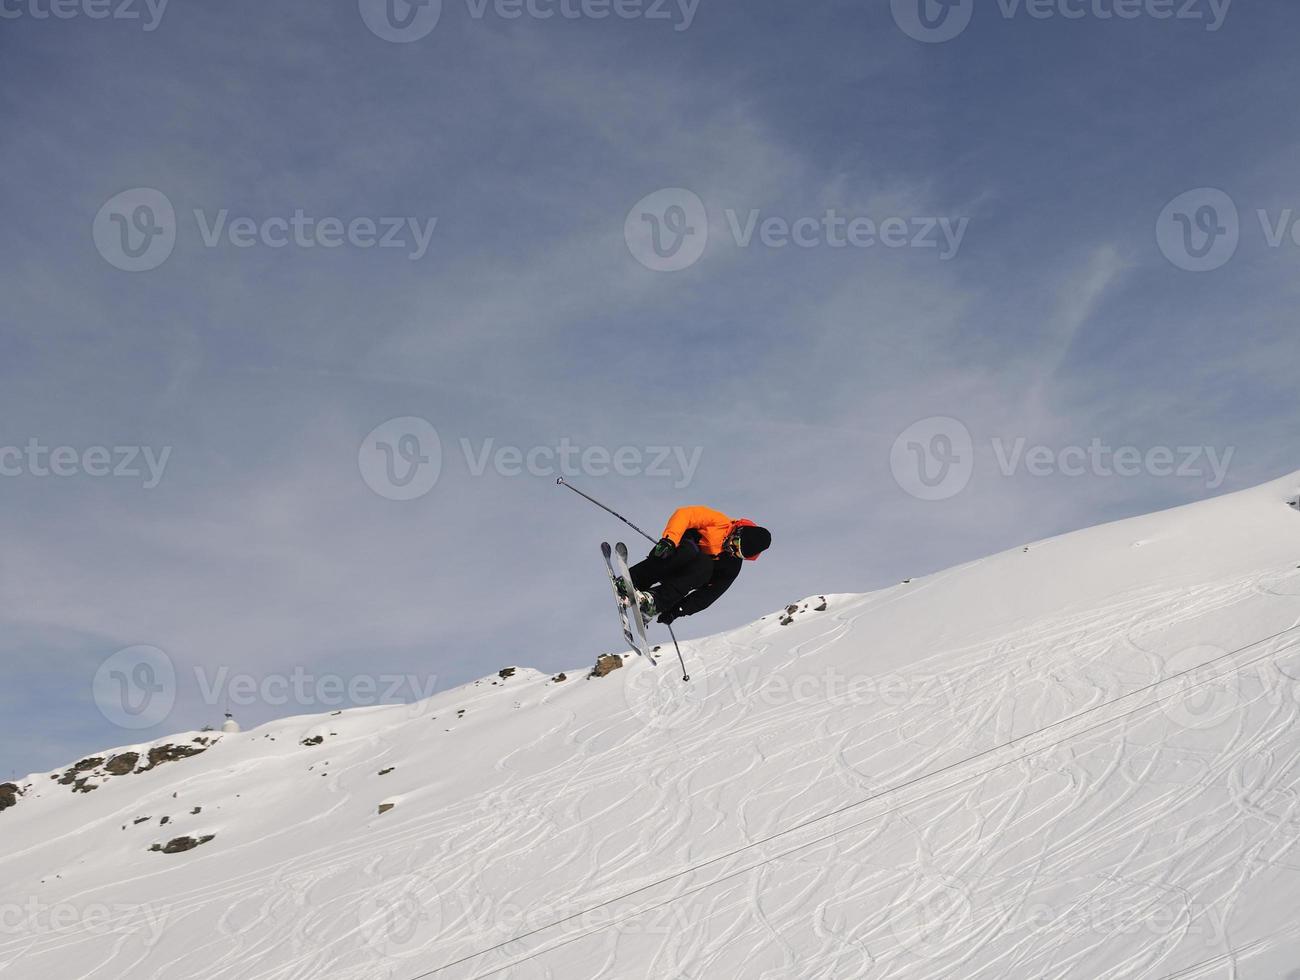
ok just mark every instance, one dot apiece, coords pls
pixel 934 835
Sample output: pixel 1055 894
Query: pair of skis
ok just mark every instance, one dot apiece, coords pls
pixel 628 599
pixel 636 640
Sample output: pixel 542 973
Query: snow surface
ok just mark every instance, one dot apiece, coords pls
pixel 1075 759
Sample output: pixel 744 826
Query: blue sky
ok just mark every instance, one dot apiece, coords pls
pixel 526 316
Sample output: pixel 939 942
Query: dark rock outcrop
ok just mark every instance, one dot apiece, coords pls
pixel 121 765
pixel 160 754
pixel 606 665
pixel 89 774
pixel 178 845
pixel 792 610
pixel 74 774
pixel 9 793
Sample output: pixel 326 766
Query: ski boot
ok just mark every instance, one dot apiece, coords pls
pixel 649 606
pixel 624 593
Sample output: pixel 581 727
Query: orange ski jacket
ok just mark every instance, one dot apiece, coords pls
pixel 713 527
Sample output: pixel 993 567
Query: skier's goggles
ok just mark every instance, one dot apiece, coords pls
pixel 733 546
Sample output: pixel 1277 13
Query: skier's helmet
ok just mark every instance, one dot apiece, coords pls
pixel 749 540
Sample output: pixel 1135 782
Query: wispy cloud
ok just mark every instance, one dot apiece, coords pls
pixel 793 368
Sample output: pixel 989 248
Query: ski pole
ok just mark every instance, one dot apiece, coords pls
pixel 563 483
pixel 685 676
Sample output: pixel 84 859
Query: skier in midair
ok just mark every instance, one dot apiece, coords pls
pixel 697 558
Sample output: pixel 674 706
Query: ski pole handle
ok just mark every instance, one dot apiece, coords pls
pixel 564 483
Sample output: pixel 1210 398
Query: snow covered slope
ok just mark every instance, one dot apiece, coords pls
pixel 1075 759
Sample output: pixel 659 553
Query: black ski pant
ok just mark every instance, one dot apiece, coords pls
pixel 674 577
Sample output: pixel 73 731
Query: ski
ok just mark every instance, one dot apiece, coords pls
pixel 641 647
pixel 633 601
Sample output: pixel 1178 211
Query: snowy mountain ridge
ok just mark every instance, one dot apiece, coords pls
pixel 1073 759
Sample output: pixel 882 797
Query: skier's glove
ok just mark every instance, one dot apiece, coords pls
pixel 667 616
pixel 664 549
